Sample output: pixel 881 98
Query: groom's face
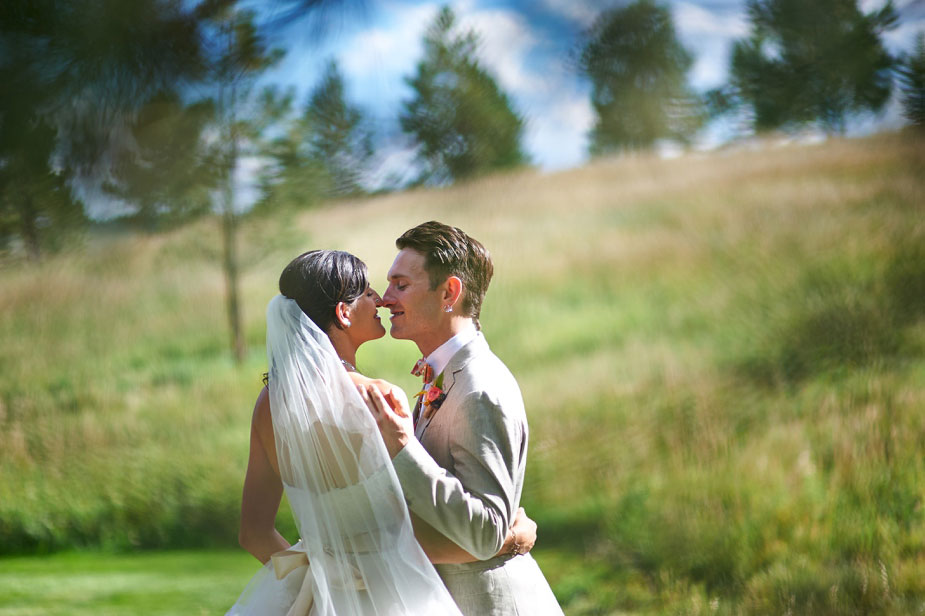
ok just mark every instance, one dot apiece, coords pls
pixel 415 308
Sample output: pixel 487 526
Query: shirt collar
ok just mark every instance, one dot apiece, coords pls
pixel 445 352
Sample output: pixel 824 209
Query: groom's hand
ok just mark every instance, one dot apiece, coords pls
pixel 521 536
pixel 394 423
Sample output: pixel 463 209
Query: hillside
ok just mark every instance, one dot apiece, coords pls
pixel 722 357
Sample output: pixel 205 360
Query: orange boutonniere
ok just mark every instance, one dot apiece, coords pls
pixel 432 397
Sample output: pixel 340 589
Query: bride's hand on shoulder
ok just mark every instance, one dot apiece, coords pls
pixel 391 415
pixel 394 395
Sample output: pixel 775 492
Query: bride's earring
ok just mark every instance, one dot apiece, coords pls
pixel 447 309
pixel 342 311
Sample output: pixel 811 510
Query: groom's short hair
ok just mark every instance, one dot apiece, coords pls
pixel 448 251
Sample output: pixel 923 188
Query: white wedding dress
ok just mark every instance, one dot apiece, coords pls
pixel 357 554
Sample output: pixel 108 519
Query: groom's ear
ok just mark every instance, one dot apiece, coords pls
pixel 452 290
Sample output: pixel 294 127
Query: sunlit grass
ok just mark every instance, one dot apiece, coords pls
pixel 162 583
pixel 721 357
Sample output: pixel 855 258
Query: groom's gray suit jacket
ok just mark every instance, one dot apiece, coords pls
pixel 464 475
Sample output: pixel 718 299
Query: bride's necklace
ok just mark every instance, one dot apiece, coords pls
pixel 350 367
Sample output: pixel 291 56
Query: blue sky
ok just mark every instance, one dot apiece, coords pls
pixel 529 47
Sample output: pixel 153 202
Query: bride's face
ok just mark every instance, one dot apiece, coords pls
pixel 364 317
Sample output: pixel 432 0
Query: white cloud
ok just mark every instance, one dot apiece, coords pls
pixel 557 115
pixel 394 166
pixel 902 39
pixel 694 20
pixel 582 12
pixel 558 137
pixel 392 46
pixel 246 191
pixel 708 35
pixel 507 41
pixel 874 5
pixel 378 59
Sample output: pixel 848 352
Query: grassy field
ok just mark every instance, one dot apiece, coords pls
pixel 722 358
pixel 145 584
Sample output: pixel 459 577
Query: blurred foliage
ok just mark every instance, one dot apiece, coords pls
pixel 290 178
pixel 461 121
pixel 638 70
pixel 812 62
pixel 322 154
pixel 98 94
pixel 85 66
pixel 912 83
pixel 843 317
pixel 168 177
pixel 36 205
pixel 72 72
pixel 338 136
pixel 154 101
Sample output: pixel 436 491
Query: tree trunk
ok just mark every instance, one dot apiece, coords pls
pixel 230 263
pixel 230 232
pixel 29 228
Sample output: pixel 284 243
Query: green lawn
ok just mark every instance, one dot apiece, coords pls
pixel 146 583
pixel 162 583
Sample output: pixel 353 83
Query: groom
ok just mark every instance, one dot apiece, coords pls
pixel 461 460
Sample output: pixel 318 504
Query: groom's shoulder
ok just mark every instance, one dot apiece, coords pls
pixel 485 373
pixel 486 364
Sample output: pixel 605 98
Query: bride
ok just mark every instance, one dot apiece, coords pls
pixel 312 436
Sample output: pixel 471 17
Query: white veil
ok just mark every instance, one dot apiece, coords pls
pixel 349 509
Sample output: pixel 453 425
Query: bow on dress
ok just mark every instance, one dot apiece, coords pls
pixel 287 561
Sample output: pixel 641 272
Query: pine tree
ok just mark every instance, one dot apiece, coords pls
pixel 337 136
pixel 240 55
pixel 462 122
pixel 322 153
pixel 37 206
pixel 807 62
pixel 289 177
pixel 166 175
pixel 912 83
pixel 638 69
pixel 72 73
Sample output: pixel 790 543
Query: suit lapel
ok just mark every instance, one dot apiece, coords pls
pixel 457 364
pixel 463 356
pixel 416 413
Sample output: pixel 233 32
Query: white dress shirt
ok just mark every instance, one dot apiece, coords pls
pixel 442 355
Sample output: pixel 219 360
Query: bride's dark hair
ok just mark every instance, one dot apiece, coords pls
pixel 317 280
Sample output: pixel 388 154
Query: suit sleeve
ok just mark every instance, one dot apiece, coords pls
pixel 472 507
